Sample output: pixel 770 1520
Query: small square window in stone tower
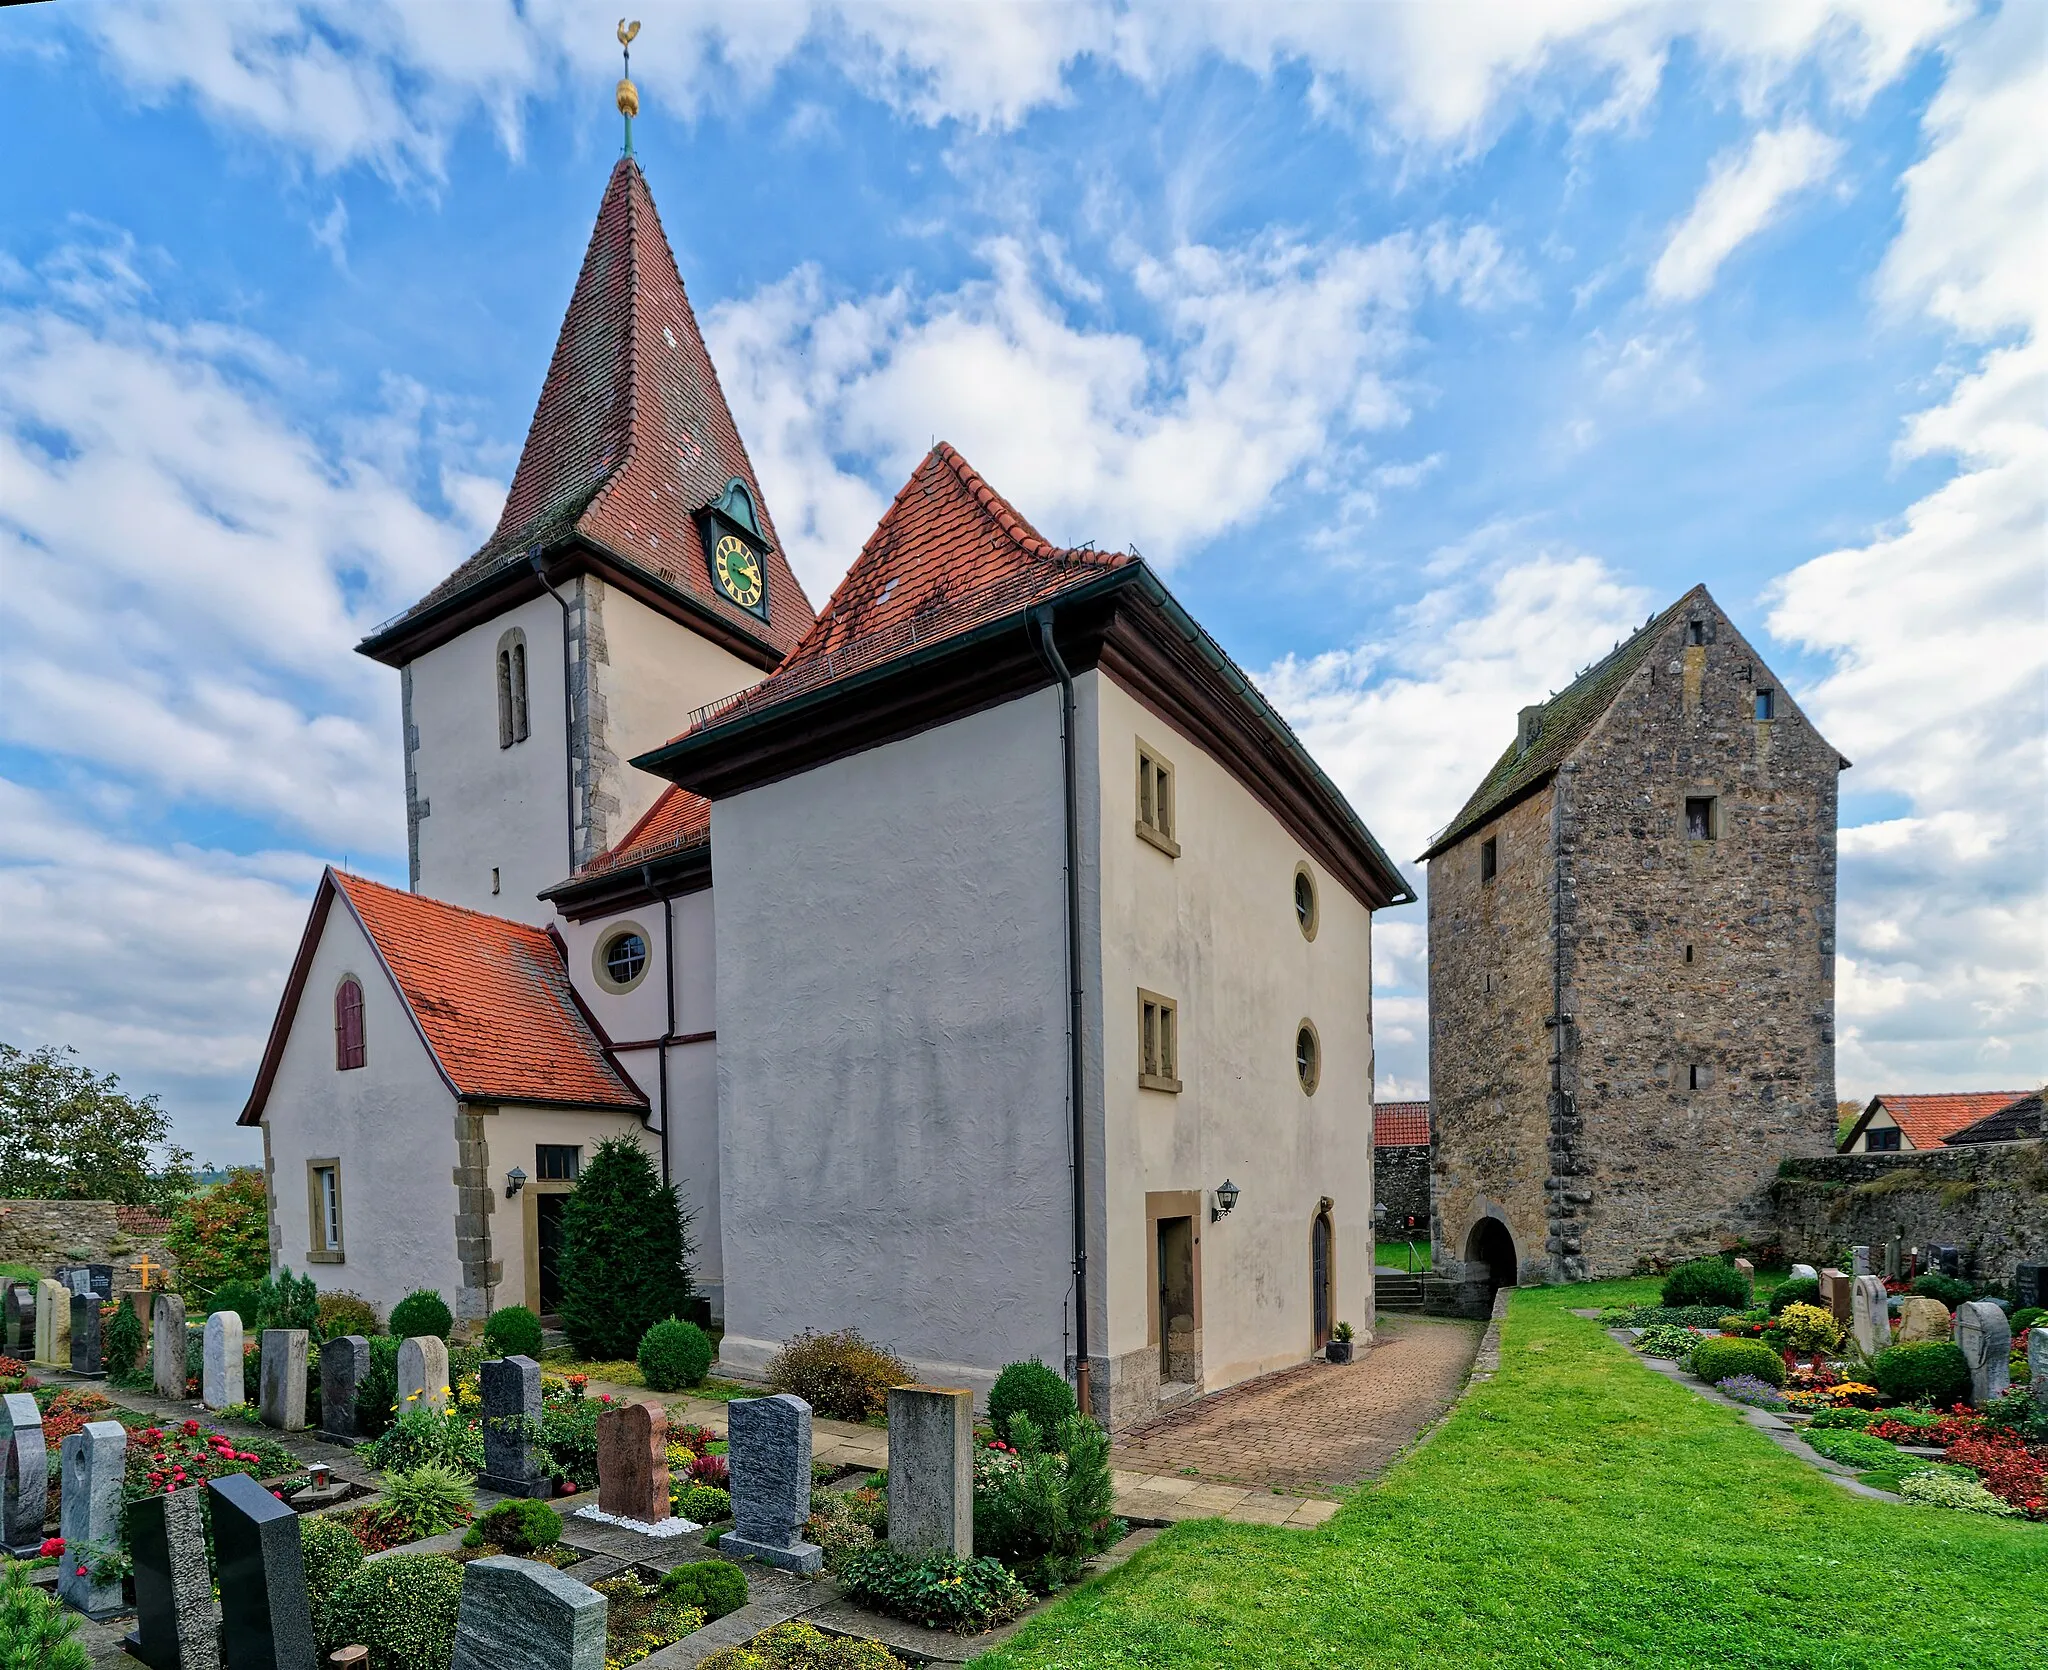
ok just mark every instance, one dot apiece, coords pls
pixel 1699 817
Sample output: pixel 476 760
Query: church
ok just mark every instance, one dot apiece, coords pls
pixel 984 959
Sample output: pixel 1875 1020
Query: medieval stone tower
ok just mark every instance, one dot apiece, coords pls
pixel 1631 966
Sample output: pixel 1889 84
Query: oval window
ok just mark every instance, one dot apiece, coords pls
pixel 1308 1057
pixel 1305 901
pixel 622 959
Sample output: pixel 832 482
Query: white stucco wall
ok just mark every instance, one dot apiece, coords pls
pixel 1215 929
pixel 892 1049
pixel 1879 1121
pixel 512 1132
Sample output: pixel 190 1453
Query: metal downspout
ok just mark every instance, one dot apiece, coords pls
pixel 568 708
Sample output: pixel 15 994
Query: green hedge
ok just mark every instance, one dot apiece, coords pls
pixel 1715 1360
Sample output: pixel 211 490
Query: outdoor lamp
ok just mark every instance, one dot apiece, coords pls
pixel 1226 1198
pixel 515 1180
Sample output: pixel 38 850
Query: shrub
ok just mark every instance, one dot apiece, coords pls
pixel 1051 1512
pixel 625 1252
pixel 705 1503
pixel 332 1557
pixel 517 1527
pixel 422 1438
pixel 377 1391
pixel 512 1331
pixel 640 1618
pixel 846 1522
pixel 346 1313
pixel 1945 1490
pixel 1854 1449
pixel 712 1586
pixel 1801 1290
pixel 1650 1316
pixel 1746 1388
pixel 221 1235
pixel 243 1297
pixel 799 1646
pixel 1034 1389
pixel 1707 1281
pixel 1664 1340
pixel 422 1312
pixel 2022 1320
pixel 674 1354
pixel 121 1349
pixel 840 1375
pixel 712 1470
pixel 1714 1360
pixel 426 1501
pixel 403 1608
pixel 1809 1328
pixel 36 1633
pixel 1947 1289
pixel 941 1591
pixel 288 1301
pixel 1845 1420
pixel 1931 1371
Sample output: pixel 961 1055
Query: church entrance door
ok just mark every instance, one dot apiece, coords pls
pixel 1321 1277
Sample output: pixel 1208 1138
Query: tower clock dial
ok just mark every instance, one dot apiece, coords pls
pixel 737 569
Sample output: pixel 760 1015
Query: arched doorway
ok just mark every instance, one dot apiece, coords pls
pixel 1491 1247
pixel 1322 1277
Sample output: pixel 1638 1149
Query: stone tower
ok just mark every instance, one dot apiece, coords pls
pixel 1631 966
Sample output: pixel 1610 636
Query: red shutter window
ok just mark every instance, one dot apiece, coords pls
pixel 348 1026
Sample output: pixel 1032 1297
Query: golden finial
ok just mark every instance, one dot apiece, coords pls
pixel 628 94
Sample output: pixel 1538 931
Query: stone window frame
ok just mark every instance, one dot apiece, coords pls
pixel 514 718
pixel 1158 800
pixel 1308 1064
pixel 600 954
pixel 1310 917
pixel 1713 821
pixel 1158 1042
pixel 351 1053
pixel 1699 1075
pixel 317 1249
pixel 1766 708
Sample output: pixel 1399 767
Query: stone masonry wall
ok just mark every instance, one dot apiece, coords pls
pixel 46 1233
pixel 1400 1183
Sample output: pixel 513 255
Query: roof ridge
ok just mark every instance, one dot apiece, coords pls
pixel 629 370
pixel 346 877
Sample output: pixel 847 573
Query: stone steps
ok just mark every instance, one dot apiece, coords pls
pixel 1397 1292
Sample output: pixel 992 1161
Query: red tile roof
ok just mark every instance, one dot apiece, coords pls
pixel 1930 1120
pixel 632 434
pixel 677 819
pixel 1400 1124
pixel 950 554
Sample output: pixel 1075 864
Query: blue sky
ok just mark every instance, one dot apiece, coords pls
pixel 1426 349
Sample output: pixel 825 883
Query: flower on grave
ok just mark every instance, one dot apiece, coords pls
pixel 53 1548
pixel 191 1429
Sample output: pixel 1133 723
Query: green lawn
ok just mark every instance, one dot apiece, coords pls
pixel 1394 1255
pixel 1576 1510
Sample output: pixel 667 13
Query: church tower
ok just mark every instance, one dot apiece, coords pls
pixel 633 577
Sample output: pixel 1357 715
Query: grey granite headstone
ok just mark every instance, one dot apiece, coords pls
pixel 1859 1261
pixel 281 1379
pixel 510 1387
pixel 167 1346
pixel 177 1620
pixel 24 1475
pixel 220 1380
pixel 343 1363
pixel 1870 1315
pixel 1805 1272
pixel 2030 1286
pixel 423 1374
pixel 266 1615
pixel 768 1453
pixel 1986 1338
pixel 21 1320
pixel 86 1362
pixel 95 1461
pixel 521 1615
pixel 1894 1253
pixel 931 1470
pixel 2037 1364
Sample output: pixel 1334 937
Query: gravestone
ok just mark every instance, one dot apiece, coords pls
pixel 1870 1315
pixel 1859 1261
pixel 24 1475
pixel 521 1615
pixel 281 1379
pixel 167 1346
pixel 177 1620
pixel 632 1462
pixel 1894 1252
pixel 1922 1319
pixel 95 1279
pixel 1947 1261
pixel 1804 1272
pixel 266 1617
pixel 1986 1338
pixel 53 1324
pixel 20 1319
pixel 931 1470
pixel 2030 1286
pixel 343 1363
pixel 423 1374
pixel 511 1394
pixel 768 1454
pixel 95 1460
pixel 2037 1365
pixel 1837 1293
pixel 86 1362
pixel 220 1380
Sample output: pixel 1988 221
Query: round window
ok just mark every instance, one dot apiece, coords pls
pixel 1305 900
pixel 622 959
pixel 1308 1057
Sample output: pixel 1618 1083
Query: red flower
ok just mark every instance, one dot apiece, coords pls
pixel 53 1547
pixel 191 1429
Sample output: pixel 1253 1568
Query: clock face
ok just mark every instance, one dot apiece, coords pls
pixel 738 570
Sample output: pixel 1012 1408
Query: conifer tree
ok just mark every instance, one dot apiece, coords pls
pixel 626 1252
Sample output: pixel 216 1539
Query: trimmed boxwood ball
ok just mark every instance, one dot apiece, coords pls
pixel 1801 1290
pixel 1706 1281
pixel 1931 1371
pixel 1716 1359
pixel 711 1584
pixel 518 1527
pixel 403 1608
pixel 674 1354
pixel 512 1331
pixel 420 1313
pixel 1029 1388
pixel 1947 1289
pixel 2022 1320
pixel 706 1504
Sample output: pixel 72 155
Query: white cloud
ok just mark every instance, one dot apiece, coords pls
pixel 1744 194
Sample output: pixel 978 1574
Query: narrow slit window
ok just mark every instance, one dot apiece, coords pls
pixel 1767 704
pixel 1156 801
pixel 1489 858
pixel 1158 1042
pixel 1688 953
pixel 1699 818
pixel 1699 1076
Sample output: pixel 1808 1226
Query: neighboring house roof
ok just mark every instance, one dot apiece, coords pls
pixel 1930 1120
pixel 631 438
pixel 491 1000
pixel 1400 1124
pixel 2015 1121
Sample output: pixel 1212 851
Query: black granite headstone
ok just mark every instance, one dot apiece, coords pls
pixel 177 1620
pixel 2030 1283
pixel 344 1363
pixel 85 1335
pixel 1948 1261
pixel 266 1616
pixel 511 1394
pixel 20 1314
pixel 97 1279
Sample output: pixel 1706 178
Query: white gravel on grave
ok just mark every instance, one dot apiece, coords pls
pixel 670 1527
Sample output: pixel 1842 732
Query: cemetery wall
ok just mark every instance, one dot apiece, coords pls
pixel 1990 1200
pixel 1400 1183
pixel 46 1233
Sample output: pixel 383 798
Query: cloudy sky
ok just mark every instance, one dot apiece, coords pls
pixel 1427 349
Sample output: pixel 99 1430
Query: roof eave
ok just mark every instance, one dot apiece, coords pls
pixel 680 870
pixel 1498 808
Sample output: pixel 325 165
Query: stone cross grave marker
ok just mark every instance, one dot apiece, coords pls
pixel 343 1363
pixel 281 1379
pixel 2037 1364
pixel 768 1454
pixel 931 1470
pixel 1859 1261
pixel 24 1475
pixel 221 1383
pixel 177 1620
pixel 1986 1338
pixel 53 1324
pixel 1922 1319
pixel 511 1394
pixel 167 1346
pixel 1837 1293
pixel 1870 1315
pixel 423 1374
pixel 2030 1282
pixel 632 1462
pixel 20 1319
pixel 266 1617
pixel 95 1460
pixel 86 1361
pixel 521 1615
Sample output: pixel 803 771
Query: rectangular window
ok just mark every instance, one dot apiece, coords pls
pixel 323 1211
pixel 1489 858
pixel 1699 1076
pixel 1885 1141
pixel 1699 818
pixel 1158 1042
pixel 1688 953
pixel 559 1162
pixel 1766 704
pixel 1696 632
pixel 1156 801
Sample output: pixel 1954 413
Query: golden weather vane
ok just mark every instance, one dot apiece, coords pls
pixel 628 95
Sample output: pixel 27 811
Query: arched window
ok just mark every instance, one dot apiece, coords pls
pixel 348 1025
pixel 512 688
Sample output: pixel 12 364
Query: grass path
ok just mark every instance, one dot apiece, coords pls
pixel 1576 1510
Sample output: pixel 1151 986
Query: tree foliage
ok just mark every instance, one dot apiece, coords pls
pixel 68 1133
pixel 221 1235
pixel 625 1252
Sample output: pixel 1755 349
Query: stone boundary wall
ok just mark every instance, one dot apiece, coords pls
pixel 1400 1183
pixel 46 1233
pixel 1989 1199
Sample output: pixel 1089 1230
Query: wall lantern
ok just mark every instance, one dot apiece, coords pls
pixel 515 1180
pixel 1226 1198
